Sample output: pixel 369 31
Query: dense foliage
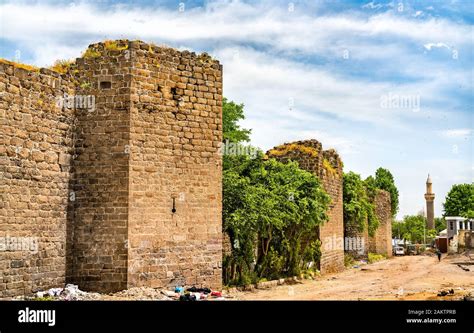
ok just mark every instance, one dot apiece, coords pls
pixel 358 200
pixel 460 201
pixel 384 180
pixel 440 224
pixel 231 114
pixel 271 212
pixel 412 228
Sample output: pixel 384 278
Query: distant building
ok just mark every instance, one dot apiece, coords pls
pixel 457 223
pixel 429 197
pixel 460 231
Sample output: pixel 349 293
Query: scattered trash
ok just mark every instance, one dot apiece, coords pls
pixel 72 292
pixel 54 292
pixel 446 292
pixel 198 290
pixel 187 298
pixel 356 266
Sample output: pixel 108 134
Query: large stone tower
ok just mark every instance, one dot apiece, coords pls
pixel 111 176
pixel 429 197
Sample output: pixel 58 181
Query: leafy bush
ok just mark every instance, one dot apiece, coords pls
pixel 359 209
pixel 373 257
pixel 271 212
pixel 348 260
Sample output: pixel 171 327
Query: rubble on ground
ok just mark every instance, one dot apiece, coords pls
pixel 71 292
pixel 141 293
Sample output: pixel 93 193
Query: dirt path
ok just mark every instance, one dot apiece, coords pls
pixel 407 277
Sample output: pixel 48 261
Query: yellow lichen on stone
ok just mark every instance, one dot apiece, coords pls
pixel 329 168
pixel 90 53
pixel 112 45
pixel 205 58
pixel 285 149
pixel 61 66
pixel 19 65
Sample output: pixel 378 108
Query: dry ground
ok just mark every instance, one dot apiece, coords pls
pixel 405 278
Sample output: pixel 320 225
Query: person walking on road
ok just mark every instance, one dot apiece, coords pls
pixel 438 253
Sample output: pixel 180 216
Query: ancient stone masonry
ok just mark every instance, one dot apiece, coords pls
pixel 124 191
pixel 356 242
pixel 359 243
pixel 381 242
pixel 35 149
pixel 327 166
pixel 176 130
pixel 335 235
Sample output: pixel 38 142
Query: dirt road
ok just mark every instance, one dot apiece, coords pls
pixel 406 277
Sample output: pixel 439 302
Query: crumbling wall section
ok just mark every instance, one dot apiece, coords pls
pixel 381 242
pixel 327 166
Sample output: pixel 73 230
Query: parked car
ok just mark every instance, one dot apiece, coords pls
pixel 398 251
pixel 411 250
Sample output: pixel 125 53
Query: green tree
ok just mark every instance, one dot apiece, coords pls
pixel 460 201
pixel 232 113
pixel 413 228
pixel 358 206
pixel 271 212
pixel 440 224
pixel 397 229
pixel 385 181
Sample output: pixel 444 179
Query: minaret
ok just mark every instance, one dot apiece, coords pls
pixel 429 197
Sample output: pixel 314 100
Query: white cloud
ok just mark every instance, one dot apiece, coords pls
pixel 418 13
pixel 261 49
pixel 372 5
pixel 429 46
pixel 456 133
pixel 43 25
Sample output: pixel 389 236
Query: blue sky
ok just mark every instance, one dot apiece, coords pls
pixel 386 83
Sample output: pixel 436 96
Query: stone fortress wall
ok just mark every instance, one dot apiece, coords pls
pixel 118 191
pixel 111 176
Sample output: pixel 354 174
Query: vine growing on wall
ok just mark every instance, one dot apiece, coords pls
pixel 358 202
